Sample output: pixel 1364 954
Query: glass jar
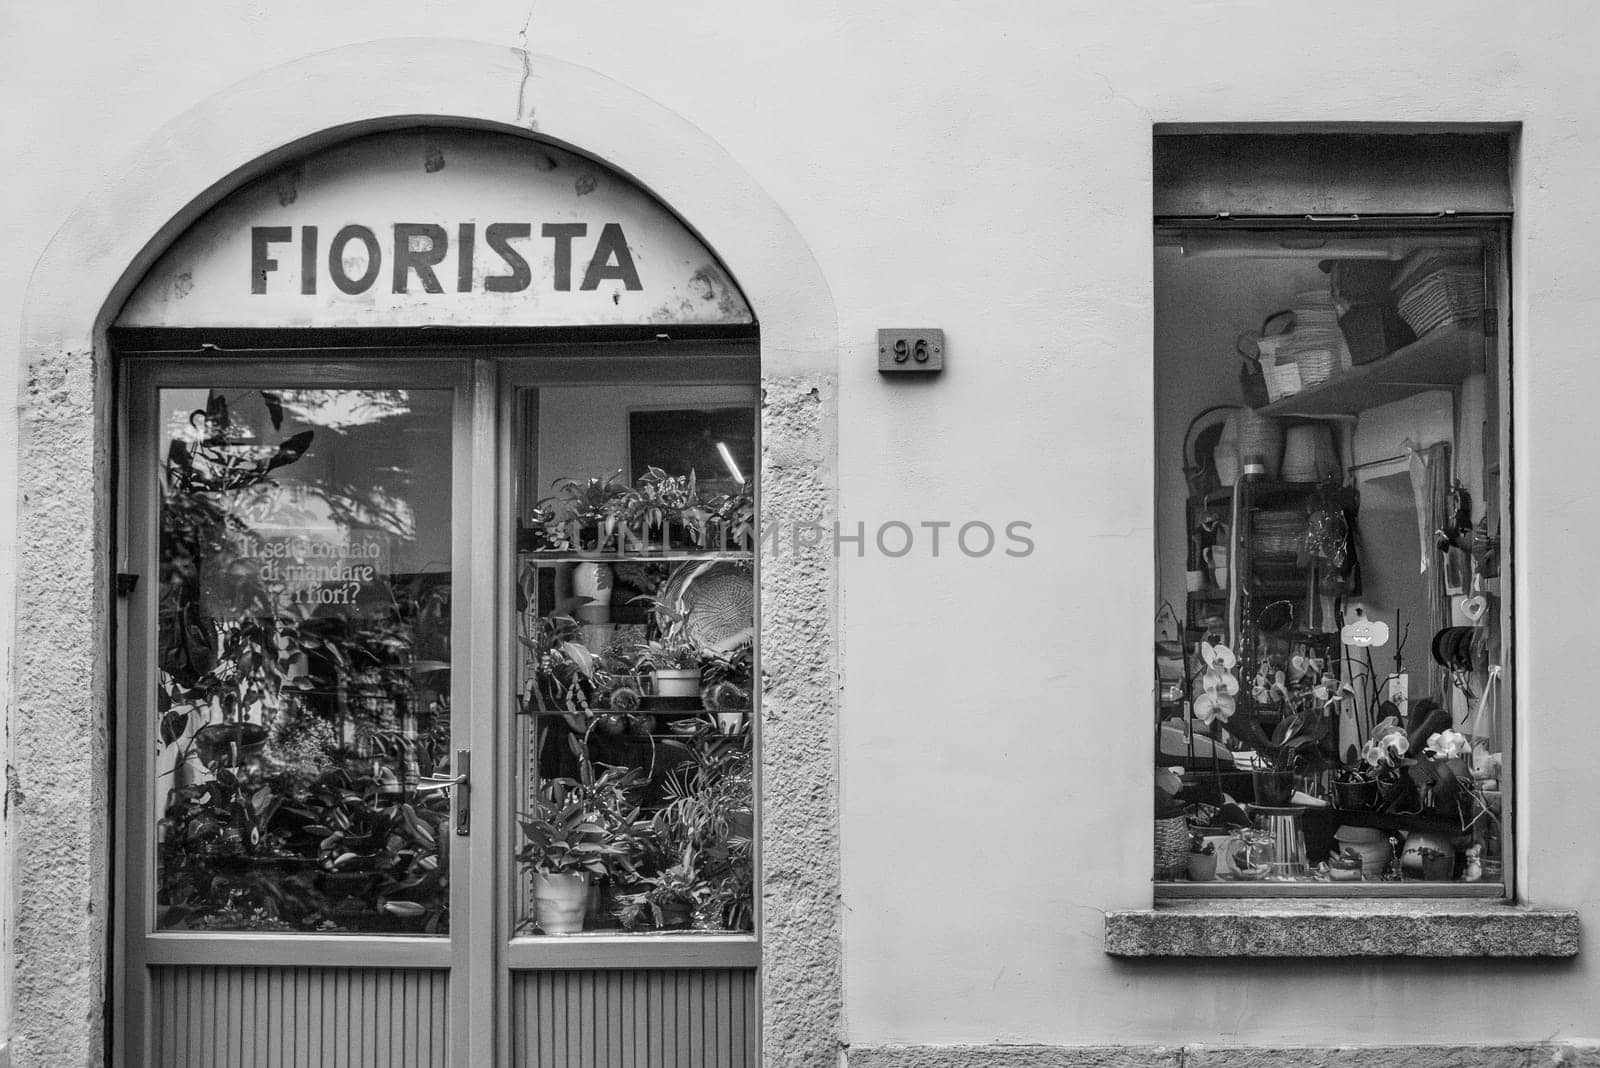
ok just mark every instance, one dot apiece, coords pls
pixel 1251 853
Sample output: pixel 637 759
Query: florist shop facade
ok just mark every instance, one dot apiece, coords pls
pixel 402 672
pixel 438 728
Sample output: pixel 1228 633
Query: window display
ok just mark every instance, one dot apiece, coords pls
pixel 636 623
pixel 303 706
pixel 1332 639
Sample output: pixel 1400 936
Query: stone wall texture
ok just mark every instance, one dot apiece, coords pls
pixel 1349 928
pixel 1532 1055
pixel 801 971
pixel 57 774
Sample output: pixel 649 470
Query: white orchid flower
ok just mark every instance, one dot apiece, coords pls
pixel 1212 706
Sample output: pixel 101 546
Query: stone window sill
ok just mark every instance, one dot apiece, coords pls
pixel 1343 928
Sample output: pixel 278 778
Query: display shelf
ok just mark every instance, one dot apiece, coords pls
pixel 1264 493
pixel 1440 359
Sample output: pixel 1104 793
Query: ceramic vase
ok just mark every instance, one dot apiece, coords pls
pixel 591 585
pixel 560 901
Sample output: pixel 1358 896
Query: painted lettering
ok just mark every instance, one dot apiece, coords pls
pixel 611 246
pixel 336 249
pixel 308 259
pixel 421 252
pixel 466 235
pixel 260 263
pixel 418 247
pixel 562 234
pixel 499 236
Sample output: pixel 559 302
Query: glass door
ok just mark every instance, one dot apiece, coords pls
pixel 438 719
pixel 295 751
pixel 629 852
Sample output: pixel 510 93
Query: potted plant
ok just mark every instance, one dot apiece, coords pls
pixel 577 831
pixel 673 658
pixel 1354 788
pixel 698 863
pixel 585 516
pixel 568 676
pixel 1292 745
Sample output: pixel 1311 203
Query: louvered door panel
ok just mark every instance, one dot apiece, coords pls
pixel 227 1017
pixel 634 1018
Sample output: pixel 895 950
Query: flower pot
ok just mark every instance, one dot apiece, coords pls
pixel 560 901
pixel 1202 867
pixel 1358 795
pixel 1428 856
pixel 1272 786
pixel 677 682
pixel 1371 844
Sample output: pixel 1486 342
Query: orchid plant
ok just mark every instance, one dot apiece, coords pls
pixel 1218 685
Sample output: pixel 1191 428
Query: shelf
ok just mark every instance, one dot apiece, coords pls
pixel 1264 494
pixel 671 556
pixel 674 713
pixel 1440 359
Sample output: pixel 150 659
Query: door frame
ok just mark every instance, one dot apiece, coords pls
pixel 472 661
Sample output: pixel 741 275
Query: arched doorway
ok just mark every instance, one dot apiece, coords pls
pixel 65 836
pixel 439 715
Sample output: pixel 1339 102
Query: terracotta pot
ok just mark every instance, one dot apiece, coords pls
pixel 560 901
pixel 1202 867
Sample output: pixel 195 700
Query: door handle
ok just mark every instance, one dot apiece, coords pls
pixel 463 792
pixel 461 784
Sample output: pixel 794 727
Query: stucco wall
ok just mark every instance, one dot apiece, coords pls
pixel 985 169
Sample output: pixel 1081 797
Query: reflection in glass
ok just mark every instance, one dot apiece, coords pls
pixel 304 649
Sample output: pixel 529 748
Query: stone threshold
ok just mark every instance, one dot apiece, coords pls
pixel 1348 927
pixel 1574 1054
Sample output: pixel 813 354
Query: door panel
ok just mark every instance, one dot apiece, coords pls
pixel 294 659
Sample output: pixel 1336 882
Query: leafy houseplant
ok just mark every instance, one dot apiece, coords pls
pixel 698 862
pixel 673 658
pixel 659 511
pixel 575 832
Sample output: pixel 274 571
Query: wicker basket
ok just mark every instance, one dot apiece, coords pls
pixel 1446 295
pixel 1171 848
pixel 1283 378
pixel 1317 365
pixel 1260 439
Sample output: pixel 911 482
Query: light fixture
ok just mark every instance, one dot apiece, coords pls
pixel 727 459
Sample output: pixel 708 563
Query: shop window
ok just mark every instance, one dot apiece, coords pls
pixel 1333 625
pixel 635 601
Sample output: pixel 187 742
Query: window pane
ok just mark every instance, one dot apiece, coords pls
pixel 1331 647
pixel 304 655
pixel 636 620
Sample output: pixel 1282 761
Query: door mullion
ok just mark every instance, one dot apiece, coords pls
pixel 477 968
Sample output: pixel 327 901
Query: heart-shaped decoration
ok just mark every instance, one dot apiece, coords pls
pixel 1475 606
